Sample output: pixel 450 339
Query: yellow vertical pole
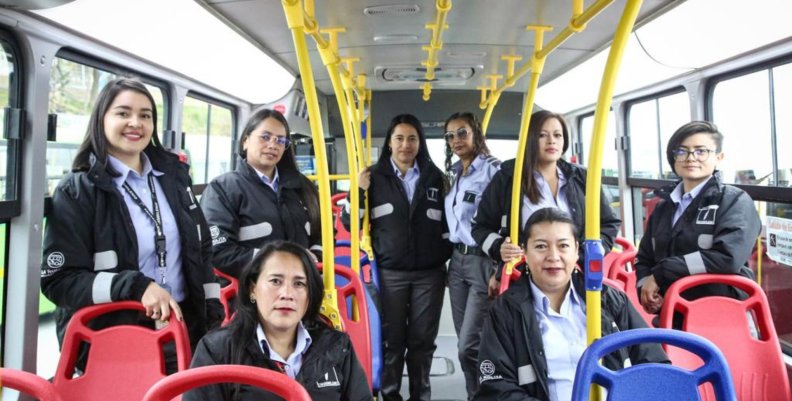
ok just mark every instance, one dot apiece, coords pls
pixel 294 18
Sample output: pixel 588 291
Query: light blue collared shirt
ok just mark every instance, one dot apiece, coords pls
pixel 464 197
pixel 274 183
pixel 546 198
pixel 684 200
pixel 563 337
pixel 409 179
pixel 293 363
pixel 144 226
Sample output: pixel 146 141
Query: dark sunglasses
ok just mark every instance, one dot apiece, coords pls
pixel 461 133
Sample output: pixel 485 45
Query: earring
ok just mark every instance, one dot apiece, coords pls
pixel 252 300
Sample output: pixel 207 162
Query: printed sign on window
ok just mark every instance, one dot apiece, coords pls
pixel 779 239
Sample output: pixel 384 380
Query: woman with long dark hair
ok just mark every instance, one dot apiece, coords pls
pixel 410 240
pixel 277 326
pixel 125 226
pixel 265 199
pixel 547 181
pixel 470 268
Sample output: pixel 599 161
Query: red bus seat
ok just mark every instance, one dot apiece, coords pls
pixel 123 361
pixel 228 294
pixel 28 383
pixel 622 271
pixel 756 364
pixel 181 382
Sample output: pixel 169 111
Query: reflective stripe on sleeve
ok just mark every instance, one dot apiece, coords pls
pixel 695 263
pixel 101 289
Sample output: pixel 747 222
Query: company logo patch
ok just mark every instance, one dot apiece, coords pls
pixel 330 380
pixel 487 369
pixel 55 260
pixel 215 231
pixel 432 194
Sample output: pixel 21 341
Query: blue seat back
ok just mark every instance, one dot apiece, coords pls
pixel 653 381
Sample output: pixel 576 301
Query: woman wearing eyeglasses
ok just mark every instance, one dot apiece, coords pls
pixel 700 225
pixel 265 199
pixel 470 268
pixel 547 181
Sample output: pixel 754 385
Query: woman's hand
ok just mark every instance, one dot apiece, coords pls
pixel 651 300
pixel 159 304
pixel 509 251
pixel 364 178
pixel 493 287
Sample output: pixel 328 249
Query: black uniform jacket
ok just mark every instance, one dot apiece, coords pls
pixel 491 223
pixel 244 213
pixel 408 235
pixel 330 370
pixel 512 357
pixel 715 234
pixel 91 251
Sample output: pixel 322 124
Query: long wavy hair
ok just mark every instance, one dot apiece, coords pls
pixel 95 141
pixel 479 143
pixel 529 185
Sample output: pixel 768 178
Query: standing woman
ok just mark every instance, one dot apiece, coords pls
pixel 547 181
pixel 470 268
pixel 700 226
pixel 265 199
pixel 410 240
pixel 125 226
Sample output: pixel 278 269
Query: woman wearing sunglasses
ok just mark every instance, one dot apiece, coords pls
pixel 700 225
pixel 470 268
pixel 547 181
pixel 265 199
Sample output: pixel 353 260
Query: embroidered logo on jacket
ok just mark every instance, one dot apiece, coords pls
pixel 487 369
pixel 706 215
pixel 55 260
pixel 432 194
pixel 216 238
pixel 330 380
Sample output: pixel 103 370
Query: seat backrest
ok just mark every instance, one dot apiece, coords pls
pixel 181 382
pixel 123 361
pixel 619 272
pixel 28 383
pixel 516 273
pixel 356 325
pixel 341 232
pixel 757 364
pixel 625 244
pixel 652 381
pixel 228 294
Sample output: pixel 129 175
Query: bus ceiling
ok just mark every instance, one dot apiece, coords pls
pixel 390 44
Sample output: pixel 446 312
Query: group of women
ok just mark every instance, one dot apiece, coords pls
pixel 126 226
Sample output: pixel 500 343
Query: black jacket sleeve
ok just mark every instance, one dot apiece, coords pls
pixel 486 225
pixel 498 349
pixel 355 387
pixel 67 275
pixel 229 255
pixel 736 229
pixel 645 259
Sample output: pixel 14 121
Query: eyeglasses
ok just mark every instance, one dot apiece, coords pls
pixel 461 134
pixel 700 154
pixel 270 138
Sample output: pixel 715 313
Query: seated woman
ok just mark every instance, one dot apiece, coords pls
pixel 536 331
pixel 278 327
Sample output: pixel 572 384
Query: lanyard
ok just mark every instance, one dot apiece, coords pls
pixel 156 218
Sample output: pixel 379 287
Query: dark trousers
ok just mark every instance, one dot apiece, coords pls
pixel 468 276
pixel 411 306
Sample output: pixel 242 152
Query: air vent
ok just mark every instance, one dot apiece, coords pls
pixel 453 75
pixel 393 10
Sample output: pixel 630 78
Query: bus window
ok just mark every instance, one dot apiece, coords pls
pixel 782 90
pixel 610 159
pixel 741 109
pixel 73 90
pixel 650 124
pixel 207 126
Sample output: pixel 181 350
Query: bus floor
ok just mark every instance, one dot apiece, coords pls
pixel 448 382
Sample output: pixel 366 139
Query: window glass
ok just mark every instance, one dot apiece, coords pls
pixel 221 134
pixel 610 158
pixel 8 84
pixel 74 88
pixel 782 91
pixel 776 277
pixel 196 131
pixel 741 109
pixel 647 145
